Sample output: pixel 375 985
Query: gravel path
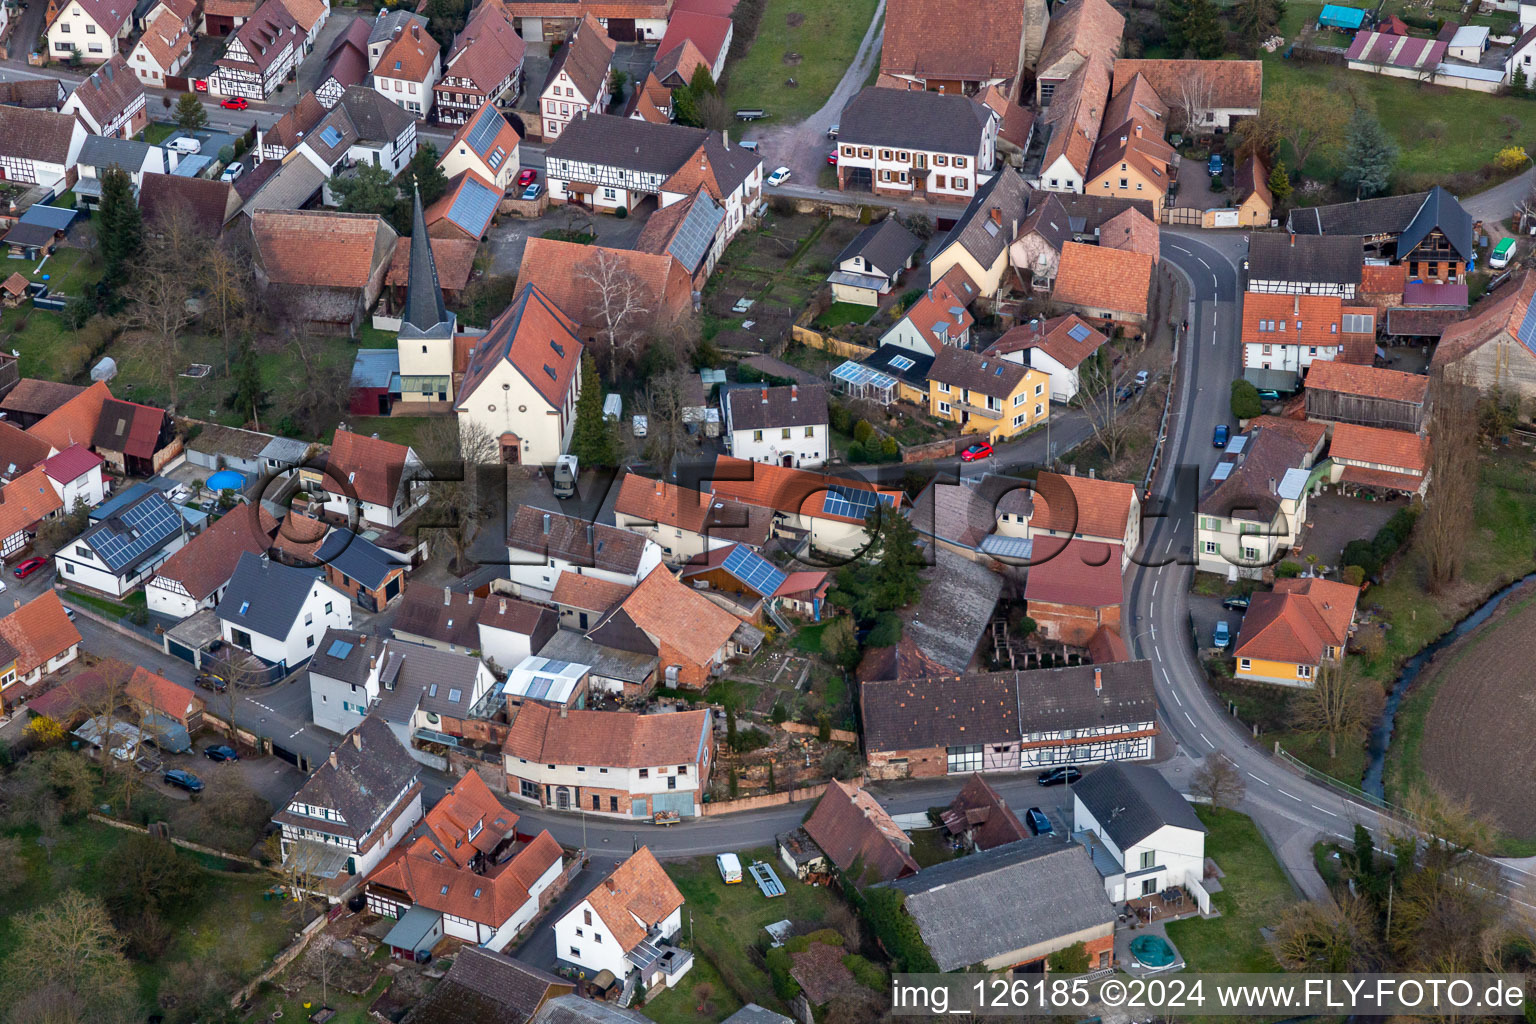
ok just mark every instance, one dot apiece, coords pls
pixel 803 147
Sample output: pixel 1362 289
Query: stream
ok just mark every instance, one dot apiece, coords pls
pixel 1381 732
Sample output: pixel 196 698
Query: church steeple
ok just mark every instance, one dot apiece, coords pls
pixel 425 316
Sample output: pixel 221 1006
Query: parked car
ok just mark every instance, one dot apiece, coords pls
pixel 1235 603
pixel 1125 393
pixel 29 566
pixel 234 103
pixel 832 132
pixel 1222 435
pixel 184 780
pixel 832 158
pixel 233 172
pixel 1222 638
pixel 779 176
pixel 750 145
pixel 533 191
pixel 221 752
pixel 186 145
pixel 1058 776
pixel 527 176
pixel 1214 164
pixel 1502 254
pixel 1268 395
pixel 730 867
pixel 1142 376
pixel 1039 824
pixel 976 451
pixel 210 681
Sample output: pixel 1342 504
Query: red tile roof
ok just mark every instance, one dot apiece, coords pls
pixel 940 305
pixel 585 58
pixel 982 810
pixel 1395 449
pixel 1307 319
pixel 1054 338
pixel 782 489
pixel 1297 620
pixel 1307 432
pixel 320 247
pixel 160 694
pixel 850 825
pixel 455 258
pixel 410 58
pixel 562 271
pixel 487 51
pixel 1083 574
pixel 1132 231
pixel 1368 381
pixel 370 467
pixel 708 32
pixel 20 449
pixel 952 39
pixel 613 739
pixel 25 501
pixel 1096 277
pixel 208 560
pixel 39 630
pixel 1231 84
pixel 680 617
pixel 637 897
pixel 75 421
pixel 537 338
pixel 588 593
pixel 1073 504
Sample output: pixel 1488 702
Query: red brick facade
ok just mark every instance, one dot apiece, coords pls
pixel 1072 624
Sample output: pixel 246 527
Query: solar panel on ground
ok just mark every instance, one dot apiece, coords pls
pixel 754 570
pixel 339 649
pixel 473 206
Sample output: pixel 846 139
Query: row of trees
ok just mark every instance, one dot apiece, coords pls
pixel 1193 28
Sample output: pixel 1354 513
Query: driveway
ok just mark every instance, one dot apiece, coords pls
pixel 538 948
pixel 309 71
pixel 508 239
pixel 803 147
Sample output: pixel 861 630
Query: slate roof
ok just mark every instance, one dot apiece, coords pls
pixel 850 826
pixel 537 338
pixel 440 614
pixel 625 142
pixel 1389 215
pixel 372 768
pixel 1305 259
pixel 375 119
pixel 573 1009
pixel 41 135
pixel 484 986
pixel 762 408
pixel 915 374
pixel 357 559
pixel 576 540
pixel 101 152
pixel 1440 210
pixel 995 707
pixel 208 560
pixel 1086 213
pixel 1245 492
pixel 264 596
pixel 1132 801
pixel 938 122
pixel 885 245
pixel 962 368
pixel 1005 899
pixel 348 663
pixel 947 623
pixel 952 39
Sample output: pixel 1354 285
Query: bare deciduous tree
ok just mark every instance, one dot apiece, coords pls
pixel 69 957
pixel 1218 780
pixel 1327 937
pixel 620 305
pixel 226 279
pixel 160 313
pixel 1100 397
pixel 1453 468
pixel 1333 706
pixel 463 459
pixel 1194 103
pixel 325 387
pixel 666 431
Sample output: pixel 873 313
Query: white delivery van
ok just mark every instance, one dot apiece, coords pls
pixel 613 407
pixel 566 472
pixel 641 425
pixel 730 867
pixel 185 145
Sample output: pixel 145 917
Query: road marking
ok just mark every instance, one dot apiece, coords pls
pixel 1155 582
pixel 1208 741
pixel 1204 264
pixel 1293 797
pixel 1175 694
pixel 1324 810
pixel 1168 544
pixel 1257 779
pixel 1191 720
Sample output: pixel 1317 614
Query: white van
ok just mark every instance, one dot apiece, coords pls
pixel 730 867
pixel 186 145
pixel 566 473
pixel 640 425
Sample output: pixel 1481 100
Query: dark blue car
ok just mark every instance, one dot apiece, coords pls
pixel 220 752
pixel 1039 824
pixel 1214 164
pixel 1222 435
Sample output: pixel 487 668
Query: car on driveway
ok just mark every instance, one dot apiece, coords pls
pixel 533 191
pixel 1502 254
pixel 1142 376
pixel 1125 393
pixel 1221 436
pixel 234 103
pixel 779 176
pixel 29 566
pixel 1235 603
pixel 232 172
pixel 1268 395
pixel 1213 165
pixel 184 780
pixel 1057 776
pixel 1039 824
pixel 1222 637
pixel 976 451
pixel 210 681
pixel 832 158
pixel 527 176
pixel 221 752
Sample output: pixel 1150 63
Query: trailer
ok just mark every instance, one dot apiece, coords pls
pixel 766 880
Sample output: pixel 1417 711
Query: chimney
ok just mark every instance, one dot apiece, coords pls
pixel 564 713
pixel 373 662
pixel 794 392
pixel 447 597
pixel 590 531
pixel 357 739
pixel 997 216
pixel 1138 131
pixel 1271 485
pixel 332 758
pixel 1091 472
pixel 503 609
pixel 1293 239
pixel 546 524
pixel 765 396
pixel 1072 469
pixel 1098 680
pixel 725 138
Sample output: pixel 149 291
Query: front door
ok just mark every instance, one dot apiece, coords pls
pixel 789 462
pixel 563 798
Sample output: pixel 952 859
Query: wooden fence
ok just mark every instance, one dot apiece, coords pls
pixel 827 343
pixel 185 844
pixel 801 729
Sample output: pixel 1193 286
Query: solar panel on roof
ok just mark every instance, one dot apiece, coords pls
pixel 496 157
pixel 473 206
pixel 339 649
pixel 330 136
pixel 1222 471
pixel 485 130
pixel 851 502
pixel 557 667
pixel 696 233
pixel 139 530
pixel 1527 332
pixel 754 570
pixel 539 688
pixel 1079 332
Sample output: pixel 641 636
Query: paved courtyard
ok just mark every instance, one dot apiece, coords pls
pixel 1334 520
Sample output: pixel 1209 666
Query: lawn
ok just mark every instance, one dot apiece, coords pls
pixel 840 313
pixel 68 270
pixel 1254 892
pixel 726 922
pixel 39 336
pixel 810 41
pixel 1440 131
pixel 158 131
pixel 105 605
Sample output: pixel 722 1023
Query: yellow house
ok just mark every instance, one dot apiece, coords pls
pixel 1131 162
pixel 987 396
pixel 1288 633
pixel 1255 205
pixel 978 244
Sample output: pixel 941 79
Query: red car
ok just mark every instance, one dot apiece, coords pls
pixel 526 177
pixel 832 158
pixel 234 103
pixel 976 451
pixel 30 566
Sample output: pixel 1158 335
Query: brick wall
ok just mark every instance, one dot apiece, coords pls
pixel 690 675
pixel 920 763
pixel 493 772
pixel 1072 624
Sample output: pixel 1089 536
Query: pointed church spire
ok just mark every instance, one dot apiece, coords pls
pixel 425 315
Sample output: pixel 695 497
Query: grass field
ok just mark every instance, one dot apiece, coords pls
pixel 1254 892
pixel 840 313
pixel 1440 131
pixel 825 34
pixel 727 921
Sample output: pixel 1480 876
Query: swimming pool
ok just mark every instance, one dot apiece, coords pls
pixel 1152 951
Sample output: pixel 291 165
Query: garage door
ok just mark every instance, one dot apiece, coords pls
pixel 679 803
pixel 181 651
pixel 621 30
